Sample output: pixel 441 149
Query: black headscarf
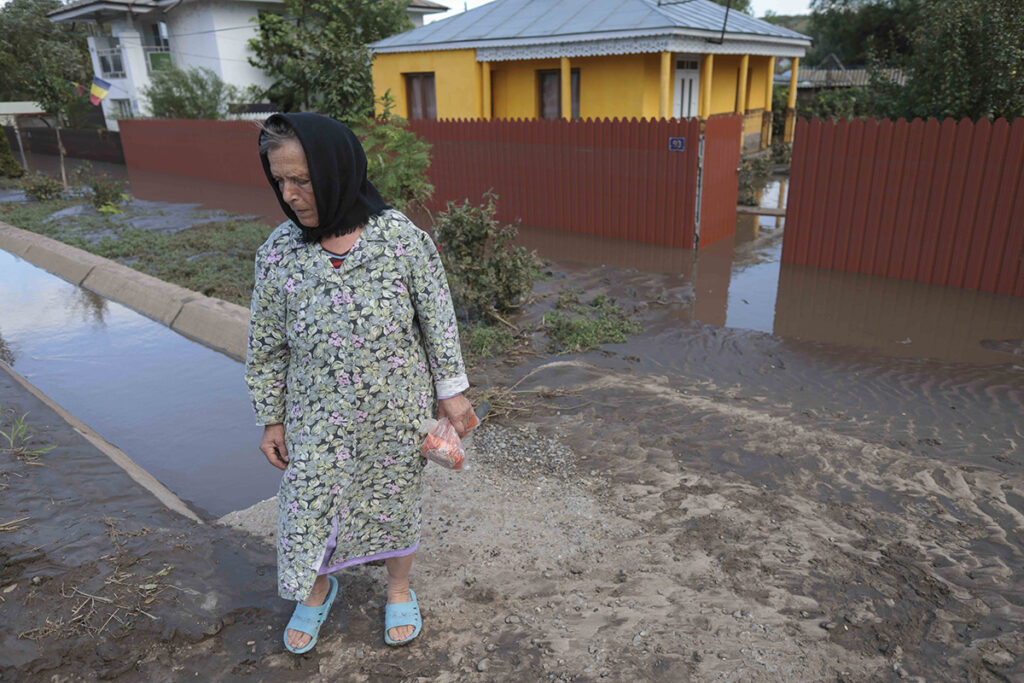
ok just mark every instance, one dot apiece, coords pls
pixel 345 199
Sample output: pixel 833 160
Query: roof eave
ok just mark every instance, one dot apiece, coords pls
pixel 94 10
pixel 590 37
pixel 424 10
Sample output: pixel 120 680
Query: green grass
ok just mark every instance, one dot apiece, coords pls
pixel 215 259
pixel 574 327
pixel 15 438
pixel 486 341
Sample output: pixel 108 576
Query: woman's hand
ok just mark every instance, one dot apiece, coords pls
pixel 273 446
pixel 459 412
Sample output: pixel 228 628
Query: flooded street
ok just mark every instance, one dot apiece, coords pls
pixel 790 474
pixel 177 408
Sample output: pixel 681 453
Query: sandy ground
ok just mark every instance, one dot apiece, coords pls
pixel 700 504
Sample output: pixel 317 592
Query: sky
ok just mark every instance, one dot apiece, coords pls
pixel 760 7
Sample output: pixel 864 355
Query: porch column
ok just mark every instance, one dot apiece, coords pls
pixel 791 104
pixel 665 92
pixel 766 126
pixel 706 69
pixel 486 76
pixel 566 89
pixel 741 99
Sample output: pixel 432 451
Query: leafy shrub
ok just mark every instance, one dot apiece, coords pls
pixel 487 273
pixel 782 152
pixel 198 93
pixel 39 187
pixel 575 327
pixel 754 172
pixel 104 192
pixel 836 103
pixel 9 168
pixel 396 158
pixel 780 100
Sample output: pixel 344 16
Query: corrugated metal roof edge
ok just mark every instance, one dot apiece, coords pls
pixel 663 11
pixel 583 38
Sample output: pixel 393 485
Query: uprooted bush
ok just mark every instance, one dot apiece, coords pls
pixel 574 326
pixel 40 187
pixel 487 273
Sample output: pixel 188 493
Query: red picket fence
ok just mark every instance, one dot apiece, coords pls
pixel 941 203
pixel 615 178
pixel 214 150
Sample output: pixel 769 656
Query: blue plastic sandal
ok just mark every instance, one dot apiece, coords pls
pixel 402 614
pixel 308 620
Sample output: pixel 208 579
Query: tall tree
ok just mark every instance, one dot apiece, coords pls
pixel 853 30
pixel 738 5
pixel 33 47
pixel 315 51
pixel 967 60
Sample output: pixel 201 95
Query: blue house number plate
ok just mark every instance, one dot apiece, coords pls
pixel 677 144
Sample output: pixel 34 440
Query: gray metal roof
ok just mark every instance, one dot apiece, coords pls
pixel 504 20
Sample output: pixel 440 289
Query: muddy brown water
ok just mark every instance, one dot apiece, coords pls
pixel 179 409
pixel 738 283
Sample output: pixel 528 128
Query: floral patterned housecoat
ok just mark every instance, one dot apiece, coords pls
pixel 349 359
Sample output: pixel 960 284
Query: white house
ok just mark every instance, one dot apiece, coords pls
pixel 137 37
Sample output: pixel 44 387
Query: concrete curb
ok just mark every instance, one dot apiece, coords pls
pixel 141 476
pixel 214 322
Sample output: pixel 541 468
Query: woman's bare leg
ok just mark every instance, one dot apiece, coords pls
pixel 398 590
pixel 321 587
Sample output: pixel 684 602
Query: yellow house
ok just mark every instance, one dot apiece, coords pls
pixel 588 59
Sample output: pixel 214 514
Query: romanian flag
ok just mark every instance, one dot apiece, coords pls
pixel 99 90
pixel 79 88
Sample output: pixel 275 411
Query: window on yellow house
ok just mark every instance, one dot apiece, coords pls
pixel 419 93
pixel 549 93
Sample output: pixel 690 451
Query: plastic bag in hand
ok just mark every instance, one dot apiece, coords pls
pixel 442 443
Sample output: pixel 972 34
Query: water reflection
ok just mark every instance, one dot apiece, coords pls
pixel 240 198
pixel 90 306
pixel 138 384
pixel 6 355
pixel 738 282
pixel 898 317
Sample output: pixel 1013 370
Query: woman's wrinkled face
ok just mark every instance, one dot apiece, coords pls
pixel 290 172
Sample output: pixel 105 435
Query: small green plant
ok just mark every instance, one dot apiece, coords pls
pixel 39 187
pixel 104 192
pixel 754 172
pixel 574 327
pixel 396 158
pixel 487 341
pixel 488 274
pixel 782 153
pixel 15 440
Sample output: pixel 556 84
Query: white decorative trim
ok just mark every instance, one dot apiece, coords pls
pixel 627 46
pixel 452 386
pixel 615 43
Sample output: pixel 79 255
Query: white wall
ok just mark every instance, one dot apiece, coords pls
pixel 190 29
pixel 233 44
pixel 207 34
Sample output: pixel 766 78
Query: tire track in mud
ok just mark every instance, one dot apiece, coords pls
pixel 911 562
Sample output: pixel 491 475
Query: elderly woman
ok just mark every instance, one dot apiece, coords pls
pixel 352 342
